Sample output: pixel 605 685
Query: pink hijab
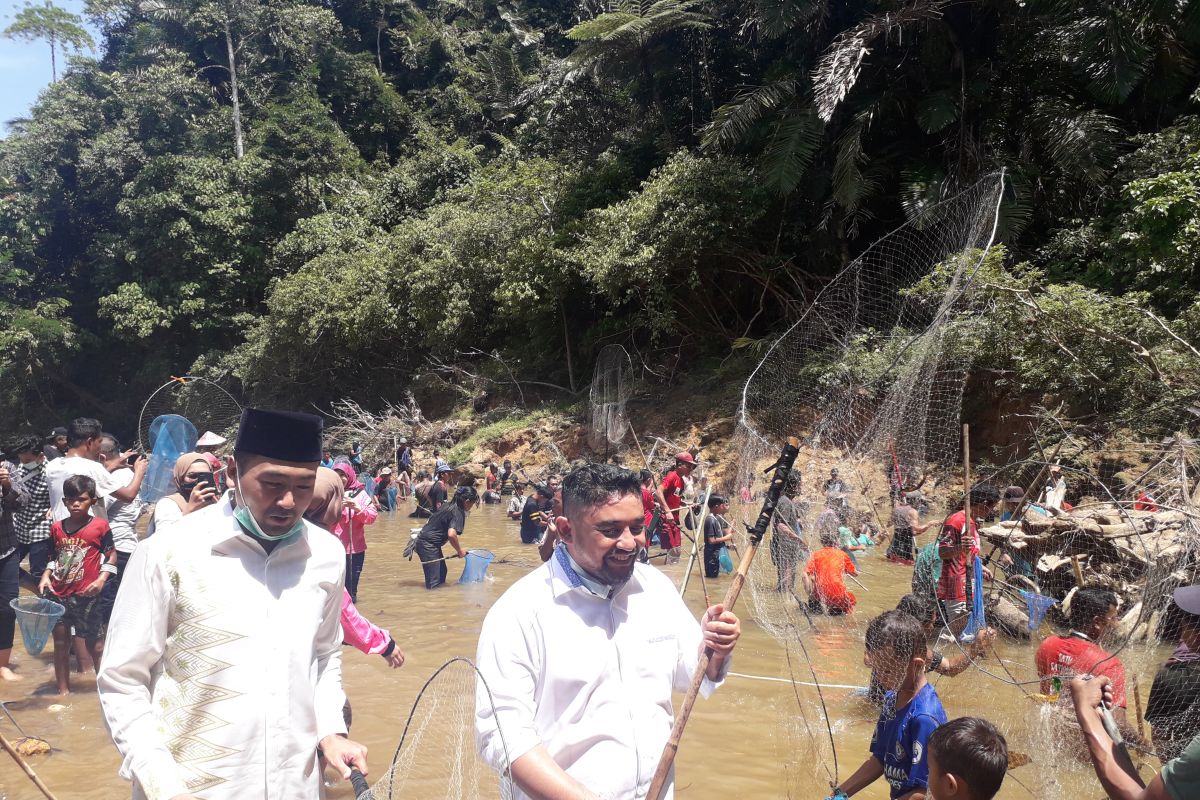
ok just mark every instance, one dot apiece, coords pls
pixel 352 480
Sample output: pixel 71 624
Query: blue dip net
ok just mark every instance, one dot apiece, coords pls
pixel 170 437
pixel 36 617
pixel 475 569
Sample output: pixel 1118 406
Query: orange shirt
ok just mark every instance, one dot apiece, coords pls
pixel 826 567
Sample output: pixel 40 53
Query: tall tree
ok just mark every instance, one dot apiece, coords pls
pixel 62 29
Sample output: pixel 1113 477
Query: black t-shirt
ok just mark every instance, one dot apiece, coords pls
pixel 1173 709
pixel 712 530
pixel 532 514
pixel 436 529
pixel 507 479
pixel 437 496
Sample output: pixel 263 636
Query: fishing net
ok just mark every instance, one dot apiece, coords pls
pixel 202 402
pixel 36 617
pixel 611 383
pixel 871 378
pixel 436 755
pixel 169 437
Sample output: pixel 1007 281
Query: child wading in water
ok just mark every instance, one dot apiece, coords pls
pixel 84 558
pixel 911 710
pixel 716 534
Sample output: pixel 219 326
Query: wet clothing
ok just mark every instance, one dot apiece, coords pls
pixel 826 567
pixel 712 552
pixel 516 504
pixel 1069 656
pixel 903 536
pixel 507 481
pixel 901 739
pixel 952 583
pixel 533 513
pixel 437 496
pixel 673 487
pixel 433 537
pixel 421 493
pixel 927 570
pixel 786 552
pixel 1173 709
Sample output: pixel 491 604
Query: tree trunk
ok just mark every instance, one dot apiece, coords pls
pixel 53 62
pixel 238 148
pixel 567 345
pixel 378 45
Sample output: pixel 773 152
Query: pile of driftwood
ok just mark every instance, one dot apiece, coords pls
pixel 1141 555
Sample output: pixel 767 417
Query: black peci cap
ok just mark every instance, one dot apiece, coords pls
pixel 282 435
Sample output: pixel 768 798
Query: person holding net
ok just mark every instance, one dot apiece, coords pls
pixel 788 547
pixel 578 659
pixel 670 497
pixel 1093 615
pixel 1093 696
pixel 958 546
pixel 827 592
pixel 1173 708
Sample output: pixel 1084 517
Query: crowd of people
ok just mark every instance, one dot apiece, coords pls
pixel 216 636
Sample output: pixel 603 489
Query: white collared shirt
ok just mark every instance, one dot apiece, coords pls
pixel 222 667
pixel 588 678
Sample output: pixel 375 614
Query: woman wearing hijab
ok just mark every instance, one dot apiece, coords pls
pixel 444 527
pixel 194 482
pixel 325 510
pixel 358 512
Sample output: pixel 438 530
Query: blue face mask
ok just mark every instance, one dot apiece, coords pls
pixel 250 524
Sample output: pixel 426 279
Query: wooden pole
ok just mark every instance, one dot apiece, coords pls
pixel 695 545
pixel 1078 570
pixel 1137 702
pixel 12 751
pixel 783 468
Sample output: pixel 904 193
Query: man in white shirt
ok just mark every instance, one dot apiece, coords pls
pixel 122 514
pixel 516 503
pixel 83 458
pixel 581 655
pixel 222 671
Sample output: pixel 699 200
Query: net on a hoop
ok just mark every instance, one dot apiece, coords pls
pixel 437 755
pixel 610 391
pixel 201 401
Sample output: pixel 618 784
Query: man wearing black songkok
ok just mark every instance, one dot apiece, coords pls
pixel 222 670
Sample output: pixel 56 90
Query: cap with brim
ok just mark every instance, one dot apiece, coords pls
pixel 1188 598
pixel 442 469
pixel 1014 493
pixel 385 471
pixel 686 458
pixel 210 439
pixel 58 432
pixel 403 440
pixel 281 435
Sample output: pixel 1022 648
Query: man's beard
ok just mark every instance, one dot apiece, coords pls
pixel 616 573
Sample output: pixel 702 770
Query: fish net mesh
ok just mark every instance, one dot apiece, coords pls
pixel 436 755
pixel 202 402
pixel 871 380
pixel 611 385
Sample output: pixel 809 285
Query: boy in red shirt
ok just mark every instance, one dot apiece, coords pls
pixel 670 498
pixel 84 557
pixel 958 546
pixel 823 578
pixel 1093 614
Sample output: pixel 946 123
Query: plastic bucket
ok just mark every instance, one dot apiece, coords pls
pixel 36 617
pixel 476 566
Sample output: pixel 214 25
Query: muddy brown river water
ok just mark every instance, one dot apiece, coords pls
pixel 748 740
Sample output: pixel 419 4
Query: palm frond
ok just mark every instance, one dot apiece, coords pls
pixel 776 18
pixel 793 144
pixel 732 122
pixel 1079 141
pixel 837 71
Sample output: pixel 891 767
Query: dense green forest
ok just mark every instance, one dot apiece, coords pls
pixel 313 200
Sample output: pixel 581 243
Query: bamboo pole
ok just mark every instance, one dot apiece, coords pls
pixel 782 468
pixel 699 533
pixel 26 768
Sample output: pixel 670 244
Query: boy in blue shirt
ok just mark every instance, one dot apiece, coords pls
pixel 911 710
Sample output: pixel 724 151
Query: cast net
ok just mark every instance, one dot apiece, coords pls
pixel 871 380
pixel 205 404
pixel 611 384
pixel 436 755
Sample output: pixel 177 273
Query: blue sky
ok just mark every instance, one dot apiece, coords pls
pixel 25 66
